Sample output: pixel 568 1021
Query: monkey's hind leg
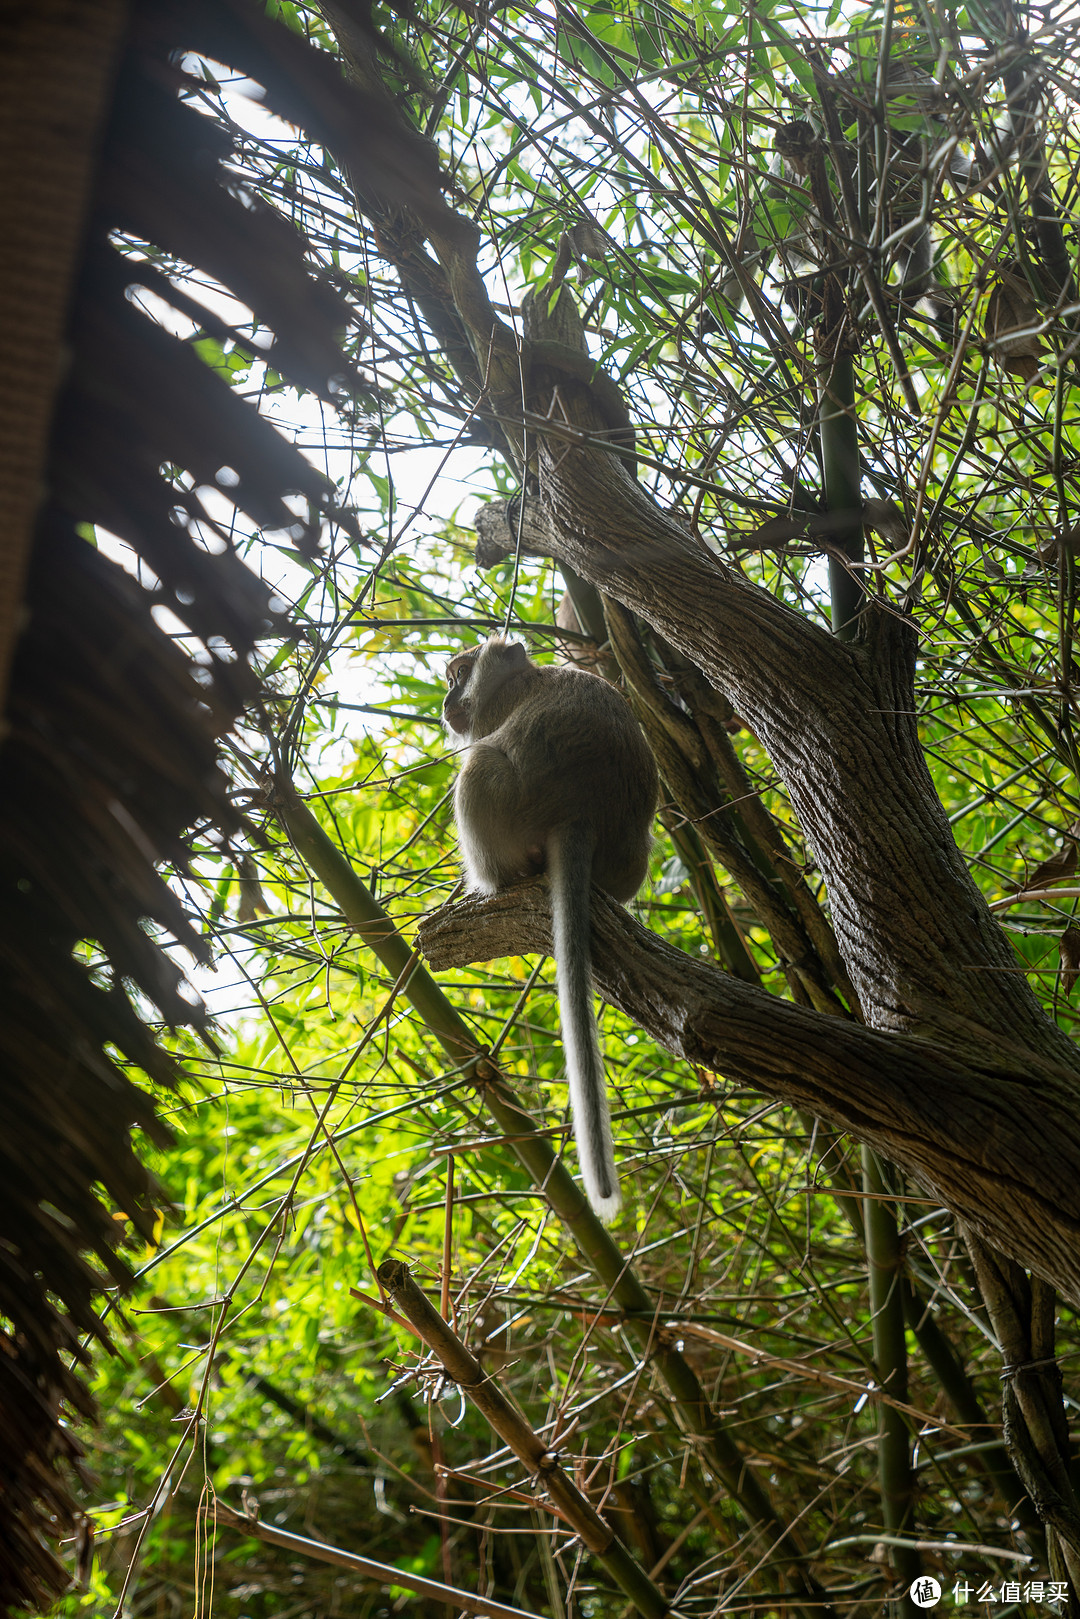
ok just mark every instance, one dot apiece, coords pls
pixel 491 820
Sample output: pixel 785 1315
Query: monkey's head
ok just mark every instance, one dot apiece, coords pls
pixel 455 705
pixel 476 676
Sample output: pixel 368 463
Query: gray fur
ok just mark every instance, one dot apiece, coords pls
pixel 557 778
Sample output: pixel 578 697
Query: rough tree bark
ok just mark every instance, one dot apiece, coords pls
pixel 956 1074
pixel 965 1126
pixel 960 1076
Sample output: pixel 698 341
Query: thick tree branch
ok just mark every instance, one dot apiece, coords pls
pixel 691 747
pixel 687 767
pixel 965 1124
pixel 923 953
pixel 838 721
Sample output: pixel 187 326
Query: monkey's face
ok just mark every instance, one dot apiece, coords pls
pixel 455 707
pixel 475 678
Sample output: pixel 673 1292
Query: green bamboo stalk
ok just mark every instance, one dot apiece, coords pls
pixel 687 770
pixel 718 1450
pixel 761 832
pixel 839 427
pixel 382 1574
pixel 896 1478
pixel 574 1508
pixel 951 1373
pixel 728 946
pixel 940 1355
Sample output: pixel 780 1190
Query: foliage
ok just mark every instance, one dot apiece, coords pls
pixel 319 1135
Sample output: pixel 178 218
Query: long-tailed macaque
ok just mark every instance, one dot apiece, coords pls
pixel 557 778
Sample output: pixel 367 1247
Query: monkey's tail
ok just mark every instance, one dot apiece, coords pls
pixel 569 864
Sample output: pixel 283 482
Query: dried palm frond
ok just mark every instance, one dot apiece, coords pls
pixel 110 748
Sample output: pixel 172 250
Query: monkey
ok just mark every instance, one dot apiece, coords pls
pixel 558 778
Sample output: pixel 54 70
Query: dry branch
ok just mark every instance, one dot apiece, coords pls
pixel 383 1574
pixel 542 1463
pixel 962 1123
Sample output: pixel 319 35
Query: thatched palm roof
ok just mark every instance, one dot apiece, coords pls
pixel 109 749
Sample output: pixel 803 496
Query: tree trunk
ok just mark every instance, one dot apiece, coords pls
pixel 923 951
pixel 969 1128
pixel 960 1076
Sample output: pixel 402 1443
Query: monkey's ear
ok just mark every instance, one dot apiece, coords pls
pixel 516 655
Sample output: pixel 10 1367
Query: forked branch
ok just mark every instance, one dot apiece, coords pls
pixel 964 1124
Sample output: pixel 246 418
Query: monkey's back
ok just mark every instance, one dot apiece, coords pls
pixel 581 757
